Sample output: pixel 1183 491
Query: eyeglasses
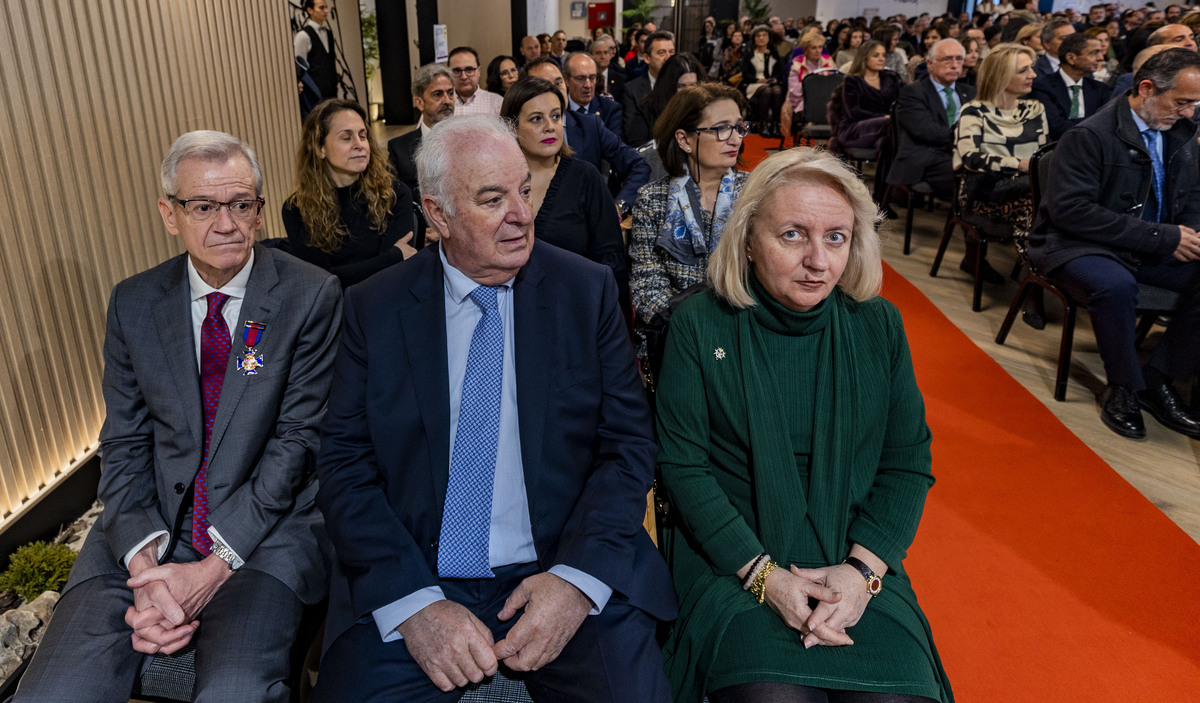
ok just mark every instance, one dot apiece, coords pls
pixel 584 79
pixel 466 71
pixel 724 131
pixel 203 210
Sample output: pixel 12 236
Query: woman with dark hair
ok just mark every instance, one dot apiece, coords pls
pixel 501 74
pixel 932 35
pixel 677 221
pixel 837 39
pixel 973 49
pixel 570 200
pixel 544 43
pixel 867 96
pixel 680 71
pixel 731 62
pixel 895 58
pixel 849 48
pixel 348 213
pixel 762 80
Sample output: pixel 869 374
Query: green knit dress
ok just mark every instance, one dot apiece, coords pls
pixel 796 434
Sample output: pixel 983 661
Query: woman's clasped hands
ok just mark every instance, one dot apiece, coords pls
pixel 840 595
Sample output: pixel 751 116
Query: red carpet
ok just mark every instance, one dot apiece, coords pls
pixel 1046 577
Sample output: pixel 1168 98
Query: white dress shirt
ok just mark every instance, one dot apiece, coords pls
pixel 302 43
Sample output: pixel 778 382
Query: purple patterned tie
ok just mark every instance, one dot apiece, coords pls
pixel 214 357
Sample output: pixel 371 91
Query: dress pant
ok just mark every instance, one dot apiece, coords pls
pixel 1111 300
pixel 243 644
pixel 613 657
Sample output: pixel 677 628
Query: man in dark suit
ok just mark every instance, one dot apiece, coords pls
pixel 596 144
pixel 657 48
pixel 925 116
pixel 486 458
pixel 1070 94
pixel 433 95
pixel 1052 35
pixel 1121 207
pixel 579 70
pixel 610 78
pixel 216 372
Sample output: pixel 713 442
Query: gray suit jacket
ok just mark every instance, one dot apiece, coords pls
pixel 265 437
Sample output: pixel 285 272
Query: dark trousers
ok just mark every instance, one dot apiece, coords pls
pixel 243 644
pixel 1111 290
pixel 613 657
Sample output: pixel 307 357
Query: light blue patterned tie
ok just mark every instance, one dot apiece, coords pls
pixel 463 545
pixel 1151 137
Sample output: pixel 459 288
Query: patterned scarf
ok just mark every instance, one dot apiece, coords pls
pixel 682 235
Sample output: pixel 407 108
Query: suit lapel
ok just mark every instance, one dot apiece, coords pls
pixel 173 320
pixel 535 335
pixel 423 323
pixel 935 100
pixel 260 305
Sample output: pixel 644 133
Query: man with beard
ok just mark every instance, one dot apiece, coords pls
pixel 433 95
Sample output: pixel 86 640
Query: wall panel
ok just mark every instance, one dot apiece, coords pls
pixel 90 99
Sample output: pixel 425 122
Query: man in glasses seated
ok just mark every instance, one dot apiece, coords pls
pixel 217 365
pixel 469 98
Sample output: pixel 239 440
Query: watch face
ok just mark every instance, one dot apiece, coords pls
pixel 874 585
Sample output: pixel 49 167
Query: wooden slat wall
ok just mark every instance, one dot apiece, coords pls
pixel 91 96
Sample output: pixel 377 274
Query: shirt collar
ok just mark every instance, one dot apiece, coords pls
pixel 236 288
pixel 459 101
pixel 571 104
pixel 1054 63
pixel 424 127
pixel 458 284
pixel 1141 124
pixel 1067 79
pixel 314 25
pixel 941 88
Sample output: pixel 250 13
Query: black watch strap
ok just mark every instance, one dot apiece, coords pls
pixel 874 581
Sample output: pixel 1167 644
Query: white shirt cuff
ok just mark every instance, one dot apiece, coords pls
pixel 592 587
pixel 392 615
pixel 215 536
pixel 162 547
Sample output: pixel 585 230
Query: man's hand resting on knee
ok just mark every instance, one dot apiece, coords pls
pixel 450 644
pixel 554 610
pixel 175 593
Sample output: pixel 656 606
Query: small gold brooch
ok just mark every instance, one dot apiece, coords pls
pixel 719 353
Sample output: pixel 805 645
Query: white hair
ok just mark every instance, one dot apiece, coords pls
pixel 435 170
pixel 205 145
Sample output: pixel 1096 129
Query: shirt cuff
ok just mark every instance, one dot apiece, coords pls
pixel 591 586
pixel 162 547
pixel 215 536
pixel 392 615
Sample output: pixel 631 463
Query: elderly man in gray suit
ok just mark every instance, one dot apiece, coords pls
pixel 216 370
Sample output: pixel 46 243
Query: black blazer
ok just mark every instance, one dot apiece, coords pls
pixel 1042 66
pixel 400 152
pixel 776 68
pixel 609 111
pixel 587 443
pixel 635 118
pixel 615 86
pixel 594 143
pixel 926 136
pixel 1052 91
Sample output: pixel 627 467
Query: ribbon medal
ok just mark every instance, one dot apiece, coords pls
pixel 251 360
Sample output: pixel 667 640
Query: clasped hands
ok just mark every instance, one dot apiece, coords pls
pixel 842 597
pixel 168 599
pixel 454 648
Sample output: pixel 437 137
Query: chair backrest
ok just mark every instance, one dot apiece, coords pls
pixel 1039 172
pixel 818 88
pixel 892 138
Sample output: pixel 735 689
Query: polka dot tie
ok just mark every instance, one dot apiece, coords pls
pixel 214 357
pixel 466 518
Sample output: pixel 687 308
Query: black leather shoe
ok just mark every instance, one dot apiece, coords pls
pixel 1119 411
pixel 1034 314
pixel 1162 401
pixel 989 274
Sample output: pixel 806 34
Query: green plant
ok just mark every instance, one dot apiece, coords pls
pixel 642 11
pixel 36 568
pixel 759 11
pixel 370 40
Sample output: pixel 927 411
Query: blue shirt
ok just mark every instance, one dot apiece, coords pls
pixel 511 535
pixel 941 91
pixel 1142 127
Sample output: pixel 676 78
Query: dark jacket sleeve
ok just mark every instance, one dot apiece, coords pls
pixel 631 168
pixel 297 235
pixel 605 243
pixel 1043 92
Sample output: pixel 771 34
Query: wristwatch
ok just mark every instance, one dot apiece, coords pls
pixel 624 208
pixel 874 580
pixel 224 553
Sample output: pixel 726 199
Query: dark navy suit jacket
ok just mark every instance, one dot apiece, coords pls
pixel 609 112
pixel 594 143
pixel 587 444
pixel 1052 91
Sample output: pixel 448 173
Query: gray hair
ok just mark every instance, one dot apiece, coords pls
pixel 1053 26
pixel 209 146
pixel 935 51
pixel 425 75
pixel 435 170
pixel 1163 69
pixel 603 39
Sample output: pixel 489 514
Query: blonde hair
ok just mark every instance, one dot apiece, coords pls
pixel 998 68
pixel 1033 29
pixel 810 37
pixel 729 266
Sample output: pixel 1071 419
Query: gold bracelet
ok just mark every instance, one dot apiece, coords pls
pixel 759 587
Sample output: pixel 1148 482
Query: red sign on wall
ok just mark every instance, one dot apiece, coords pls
pixel 601 14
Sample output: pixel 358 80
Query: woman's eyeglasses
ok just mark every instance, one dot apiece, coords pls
pixel 724 131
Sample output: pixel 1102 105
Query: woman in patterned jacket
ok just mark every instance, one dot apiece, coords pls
pixel 996 135
pixel 677 221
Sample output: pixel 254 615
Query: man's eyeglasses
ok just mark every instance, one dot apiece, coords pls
pixel 724 131
pixel 584 79
pixel 465 71
pixel 202 210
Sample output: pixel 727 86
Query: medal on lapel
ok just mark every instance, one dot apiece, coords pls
pixel 251 360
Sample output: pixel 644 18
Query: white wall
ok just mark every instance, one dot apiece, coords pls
pixel 838 9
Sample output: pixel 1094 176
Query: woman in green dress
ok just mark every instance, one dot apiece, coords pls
pixel 795 456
